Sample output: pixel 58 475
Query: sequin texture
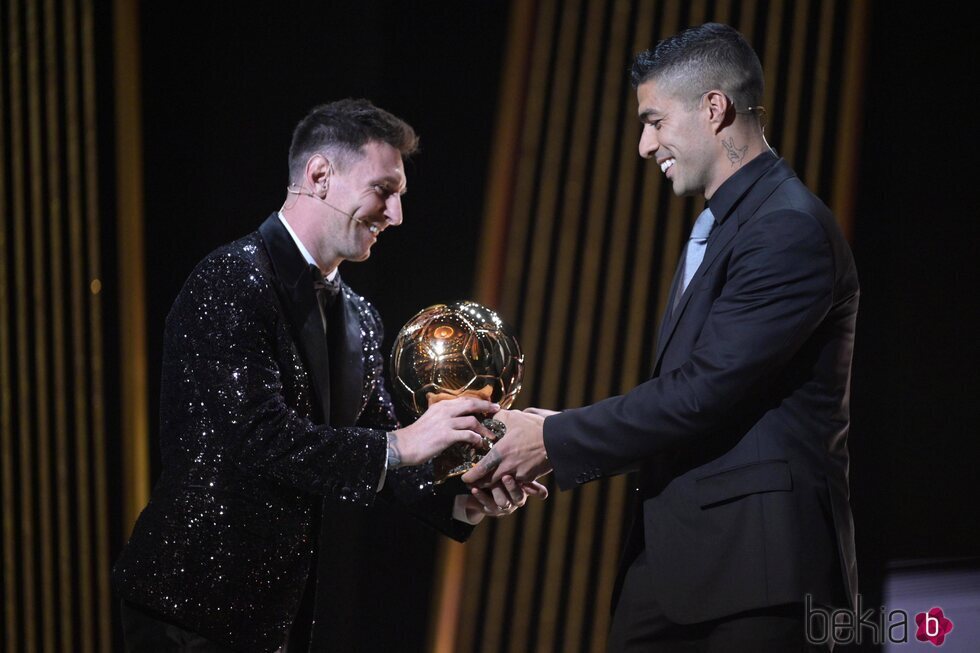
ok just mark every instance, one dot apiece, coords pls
pixel 224 546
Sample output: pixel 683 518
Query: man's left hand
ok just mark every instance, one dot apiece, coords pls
pixel 519 454
pixel 501 499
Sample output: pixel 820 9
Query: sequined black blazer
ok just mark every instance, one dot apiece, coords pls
pixel 224 546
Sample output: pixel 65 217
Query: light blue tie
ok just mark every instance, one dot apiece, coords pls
pixel 696 245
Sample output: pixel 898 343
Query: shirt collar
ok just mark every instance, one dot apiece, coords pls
pixel 302 249
pixel 733 188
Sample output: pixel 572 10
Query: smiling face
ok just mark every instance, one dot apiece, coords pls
pixel 678 136
pixel 361 199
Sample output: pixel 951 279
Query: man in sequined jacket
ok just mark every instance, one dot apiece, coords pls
pixel 274 413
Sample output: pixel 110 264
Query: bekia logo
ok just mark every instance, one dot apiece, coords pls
pixel 933 626
pixel 842 626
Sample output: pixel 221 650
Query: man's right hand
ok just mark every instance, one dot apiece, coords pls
pixel 445 423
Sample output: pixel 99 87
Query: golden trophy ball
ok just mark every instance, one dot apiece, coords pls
pixel 456 350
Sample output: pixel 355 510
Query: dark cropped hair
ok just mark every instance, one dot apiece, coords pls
pixel 341 129
pixel 699 59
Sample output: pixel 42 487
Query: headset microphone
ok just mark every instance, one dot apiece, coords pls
pixel 373 228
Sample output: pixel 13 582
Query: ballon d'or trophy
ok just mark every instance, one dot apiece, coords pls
pixel 456 350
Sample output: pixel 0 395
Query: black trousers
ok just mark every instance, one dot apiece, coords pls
pixel 144 632
pixel 640 626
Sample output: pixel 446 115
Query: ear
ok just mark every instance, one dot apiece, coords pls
pixel 721 111
pixel 318 172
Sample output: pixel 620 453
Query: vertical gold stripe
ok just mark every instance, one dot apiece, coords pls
pixel 747 20
pixel 696 15
pixel 596 217
pixel 570 188
pixel 132 302
pixel 791 112
pixel 620 217
pixel 770 67
pixel 516 272
pixel 537 294
pixel 821 78
pixel 722 11
pixel 849 129
pixel 495 254
pixel 450 567
pixel 451 558
pixel 57 302
pixel 80 385
pixel 581 563
pixel 608 558
pixel 6 397
pixel 40 390
pixel 551 165
pixel 527 563
pixel 569 268
pixel 473 588
pixel 101 559
pixel 27 600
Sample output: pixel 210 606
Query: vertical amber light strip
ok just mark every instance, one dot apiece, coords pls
pixel 571 185
pixel 774 51
pixel 6 401
pixel 41 301
pixel 132 301
pixel 451 558
pixel 93 220
pixel 518 172
pixel 80 381
pixel 849 128
pixel 56 182
pixel 794 92
pixel 539 294
pixel 821 78
pixel 27 626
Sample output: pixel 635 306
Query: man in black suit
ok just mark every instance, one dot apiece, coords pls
pixel 275 420
pixel 740 434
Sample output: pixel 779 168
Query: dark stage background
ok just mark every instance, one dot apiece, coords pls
pixel 221 87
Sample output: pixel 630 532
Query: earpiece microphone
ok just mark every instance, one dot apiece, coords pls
pixel 373 228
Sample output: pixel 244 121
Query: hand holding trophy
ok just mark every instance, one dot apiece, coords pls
pixel 456 350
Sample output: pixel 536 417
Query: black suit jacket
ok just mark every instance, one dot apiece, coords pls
pixel 740 434
pixel 257 442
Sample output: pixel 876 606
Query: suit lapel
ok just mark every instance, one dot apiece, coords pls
pixel 294 286
pixel 742 209
pixel 346 361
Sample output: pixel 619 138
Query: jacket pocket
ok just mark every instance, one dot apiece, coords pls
pixel 731 484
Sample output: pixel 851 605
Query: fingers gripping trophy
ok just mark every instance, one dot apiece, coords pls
pixel 455 350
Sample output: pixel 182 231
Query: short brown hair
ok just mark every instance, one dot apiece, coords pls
pixel 342 129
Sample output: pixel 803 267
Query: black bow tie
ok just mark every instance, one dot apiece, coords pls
pixel 326 289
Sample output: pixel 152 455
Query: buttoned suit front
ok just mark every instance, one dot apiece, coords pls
pixel 740 433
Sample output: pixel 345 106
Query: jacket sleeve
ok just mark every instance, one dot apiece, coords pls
pixel 410 487
pixel 779 288
pixel 222 388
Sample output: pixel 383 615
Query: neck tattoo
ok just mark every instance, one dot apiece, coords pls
pixel 735 154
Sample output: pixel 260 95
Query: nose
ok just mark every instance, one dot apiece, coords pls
pixel 393 209
pixel 648 142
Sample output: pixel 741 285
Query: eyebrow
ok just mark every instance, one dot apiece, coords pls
pixel 649 114
pixel 391 180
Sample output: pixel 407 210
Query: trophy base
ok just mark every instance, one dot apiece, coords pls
pixel 460 458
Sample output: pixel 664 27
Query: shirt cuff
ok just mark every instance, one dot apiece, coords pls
pixel 384 470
